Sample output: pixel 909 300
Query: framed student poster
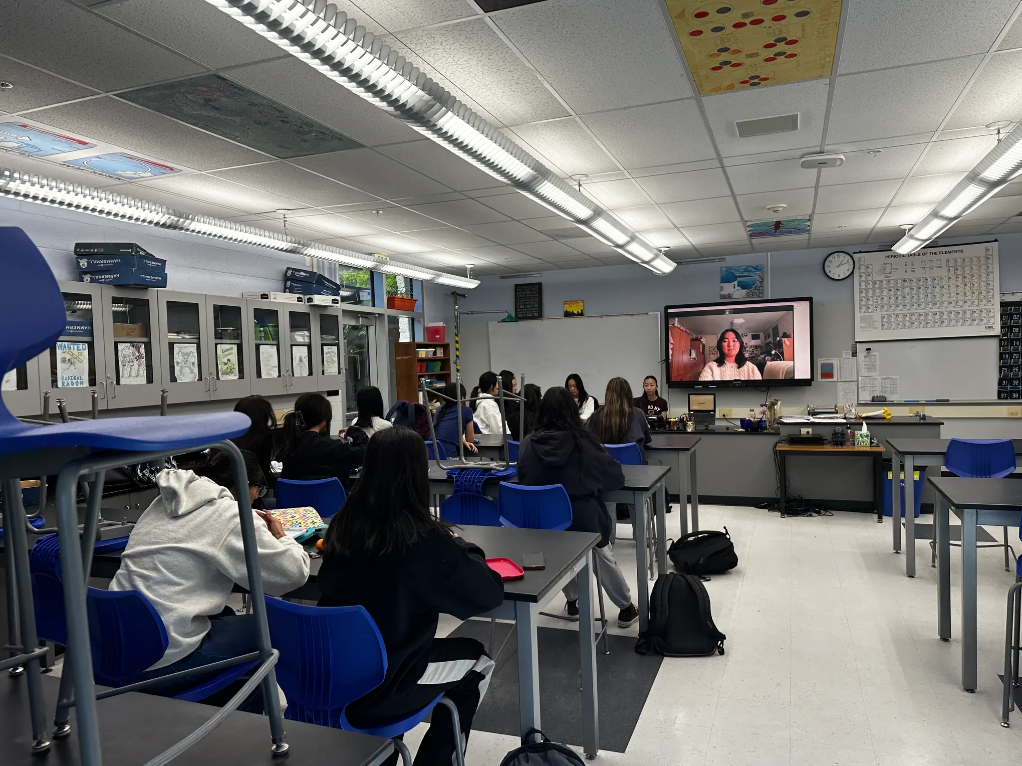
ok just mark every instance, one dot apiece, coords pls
pixel 227 361
pixel 72 365
pixel 269 362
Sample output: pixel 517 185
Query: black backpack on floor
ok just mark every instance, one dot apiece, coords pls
pixel 703 553
pixel 537 750
pixel 680 623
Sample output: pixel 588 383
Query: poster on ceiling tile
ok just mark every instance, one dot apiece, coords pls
pixel 778 227
pixel 742 281
pixel 126 166
pixel 24 139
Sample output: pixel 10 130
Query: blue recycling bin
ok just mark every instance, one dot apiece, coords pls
pixel 920 479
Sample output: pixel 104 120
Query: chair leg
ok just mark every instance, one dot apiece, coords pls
pixel 1016 647
pixel 13 621
pixel 1010 653
pixel 933 541
pixel 603 610
pixel 1007 559
pixel 459 747
pixel 402 749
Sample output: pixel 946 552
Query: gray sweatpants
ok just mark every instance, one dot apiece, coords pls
pixel 610 575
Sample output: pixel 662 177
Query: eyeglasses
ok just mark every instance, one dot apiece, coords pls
pixel 261 491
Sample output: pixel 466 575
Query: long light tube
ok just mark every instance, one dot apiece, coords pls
pixel 338 47
pixel 995 171
pixel 32 188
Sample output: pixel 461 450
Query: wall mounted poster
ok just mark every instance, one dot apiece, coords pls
pixel 269 362
pixel 742 281
pixel 574 308
pixel 300 361
pixel 529 300
pixel 186 362
pixel 131 364
pixel 72 365
pixel 226 361
pixel 330 366
pixel 10 381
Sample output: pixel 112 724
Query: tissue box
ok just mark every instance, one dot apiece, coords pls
pixel 109 248
pixel 147 263
pixel 312 277
pixel 128 277
pixel 272 296
pixel 309 288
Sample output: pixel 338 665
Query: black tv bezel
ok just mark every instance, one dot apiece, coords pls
pixel 715 384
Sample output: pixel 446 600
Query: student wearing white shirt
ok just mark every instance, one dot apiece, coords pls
pixel 370 411
pixel 487 414
pixel 730 363
pixel 586 404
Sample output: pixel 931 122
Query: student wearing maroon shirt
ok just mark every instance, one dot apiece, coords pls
pixel 651 403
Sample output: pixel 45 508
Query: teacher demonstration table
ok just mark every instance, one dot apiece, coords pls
pixel 784 450
pixel 642 482
pixel 912 454
pixel 684 446
pixel 996 502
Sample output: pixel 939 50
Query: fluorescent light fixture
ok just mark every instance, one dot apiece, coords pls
pixel 32 188
pixel 453 281
pixel 330 42
pixel 1001 165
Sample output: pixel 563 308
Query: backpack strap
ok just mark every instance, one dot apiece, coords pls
pixel 658 627
pixel 705 615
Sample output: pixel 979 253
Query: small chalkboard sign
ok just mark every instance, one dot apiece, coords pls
pixel 529 301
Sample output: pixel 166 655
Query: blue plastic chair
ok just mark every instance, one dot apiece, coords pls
pixel 512 450
pixel 37 522
pixel 330 657
pixel 625 454
pixel 1012 640
pixel 543 507
pixel 325 495
pixel 467 508
pixel 438 447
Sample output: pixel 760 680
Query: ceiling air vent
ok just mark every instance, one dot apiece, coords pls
pixel 764 126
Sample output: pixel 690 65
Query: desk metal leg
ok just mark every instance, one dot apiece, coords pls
pixel 693 486
pixel 528 659
pixel 943 522
pixel 896 503
pixel 878 500
pixel 782 490
pixel 683 472
pixel 910 514
pixel 587 647
pixel 13 620
pixel 660 498
pixel 969 599
pixel 641 561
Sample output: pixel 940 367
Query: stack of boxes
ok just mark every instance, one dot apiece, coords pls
pixel 119 263
pixel 315 287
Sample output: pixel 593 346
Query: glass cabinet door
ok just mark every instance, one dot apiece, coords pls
pixel 268 372
pixel 185 367
pixel 229 363
pixel 329 368
pixel 357 368
pixel 301 359
pixel 131 376
pixel 75 367
pixel 20 389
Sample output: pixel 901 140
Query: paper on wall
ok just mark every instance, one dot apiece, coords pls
pixel 827 369
pixel 846 368
pixel 131 363
pixel 227 361
pixel 869 386
pixel 869 363
pixel 269 362
pixel 186 362
pixel 330 362
pixel 10 381
pixel 300 361
pixel 847 393
pixel 72 365
pixel 889 385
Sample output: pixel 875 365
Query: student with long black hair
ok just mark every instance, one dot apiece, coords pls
pixel 309 452
pixel 445 424
pixel 258 439
pixel 586 403
pixel 562 451
pixel 533 395
pixel 386 552
pixel 370 412
pixel 512 407
pixel 650 402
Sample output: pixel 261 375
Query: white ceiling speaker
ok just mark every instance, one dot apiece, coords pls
pixel 817 161
pixel 776 209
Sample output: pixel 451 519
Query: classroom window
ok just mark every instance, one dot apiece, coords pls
pixel 403 287
pixel 356 286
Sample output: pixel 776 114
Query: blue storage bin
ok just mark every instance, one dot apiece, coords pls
pixel 920 479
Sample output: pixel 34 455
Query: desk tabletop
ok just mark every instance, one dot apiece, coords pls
pixel 136 727
pixel 895 420
pixel 995 494
pixel 490 440
pixel 670 440
pixel 930 446
pixel 637 477
pixel 828 449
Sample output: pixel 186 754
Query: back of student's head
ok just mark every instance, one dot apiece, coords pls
pixel 310 410
pixel 533 396
pixel 559 412
pixel 388 509
pixel 218 467
pixel 450 391
pixel 507 380
pixel 370 405
pixel 260 412
pixel 616 413
pixel 487 381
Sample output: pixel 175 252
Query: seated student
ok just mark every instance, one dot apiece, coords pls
pixel 370 413
pixel 487 414
pixel 186 553
pixel 259 438
pixel 512 407
pixel 562 451
pixel 650 402
pixel 618 421
pixel 474 396
pixel 386 552
pixel 309 452
pixel 533 401
pixel 446 423
pixel 586 403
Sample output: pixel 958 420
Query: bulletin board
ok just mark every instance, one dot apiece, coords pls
pixel 942 292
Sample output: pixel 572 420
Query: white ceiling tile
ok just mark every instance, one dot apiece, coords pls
pixel 452 238
pixel 433 160
pixel 299 230
pixel 1007 228
pixel 713 250
pixel 771 156
pixel 472 55
pixel 861 196
pixel 770 176
pixel 682 187
pixel 627 42
pixel 391 217
pixel 754 206
pixel 957 156
pixel 589 246
pixel 394 243
pixel 721 232
pixel 965 230
pixel 372 173
pixel 348 244
pixel 451 260
pixel 219 191
pixel 551 223
pixel 194 28
pixel 565 146
pixel 63 39
pixel 997 207
pixel 1014 37
pixel 809 99
pixel 459 212
pixel 837 223
pixel 34 88
pixel 397 15
pixel 896 216
pixel 426 199
pixel 704 211
pixel 507 232
pixel 779 244
pixel 678 167
pixel 296 183
pixel 848 238
pixel 337 225
pixel 294 83
pixel 882 34
pixel 995 95
pixel 646 217
pixel 670 133
pixel 885 236
pixel 860 166
pixel 666 238
pixel 613 194
pixel 926 190
pixel 897 102
pixel 1013 189
pixel 553 251
pixel 491 254
pixel 147 134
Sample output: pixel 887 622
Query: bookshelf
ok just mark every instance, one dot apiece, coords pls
pixel 414 364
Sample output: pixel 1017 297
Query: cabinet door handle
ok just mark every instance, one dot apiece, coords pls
pixel 208 384
pixel 102 394
pixel 113 388
pixel 212 376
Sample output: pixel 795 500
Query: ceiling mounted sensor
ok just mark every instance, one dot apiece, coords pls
pixel 817 161
pixel 327 40
pixel 767 126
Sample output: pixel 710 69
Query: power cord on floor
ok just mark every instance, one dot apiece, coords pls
pixel 793 506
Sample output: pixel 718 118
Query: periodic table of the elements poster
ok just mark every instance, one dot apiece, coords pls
pixel 937 293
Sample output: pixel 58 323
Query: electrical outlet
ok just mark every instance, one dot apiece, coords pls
pixel 806 431
pixel 725 412
pixel 1014 412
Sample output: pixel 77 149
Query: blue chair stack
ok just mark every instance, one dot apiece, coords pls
pixel 512 450
pixel 330 657
pixel 1012 636
pixel 325 495
pixel 468 508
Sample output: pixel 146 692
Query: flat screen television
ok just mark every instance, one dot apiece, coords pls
pixel 743 343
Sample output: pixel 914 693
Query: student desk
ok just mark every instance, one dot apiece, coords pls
pixel 135 727
pixel 784 450
pixel 642 482
pixel 684 446
pixel 996 502
pixel 489 445
pixel 913 453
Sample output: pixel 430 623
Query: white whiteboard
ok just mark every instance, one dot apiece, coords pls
pixel 942 292
pixel 596 348
pixel 957 369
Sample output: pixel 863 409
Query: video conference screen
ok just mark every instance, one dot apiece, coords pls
pixel 752 343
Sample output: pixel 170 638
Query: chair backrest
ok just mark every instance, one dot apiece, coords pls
pixel 30 300
pixel 544 507
pixel 126 633
pixel 467 508
pixel 325 495
pixel 439 449
pixel 980 458
pixel 329 656
pixel 512 450
pixel 47 590
pixel 625 454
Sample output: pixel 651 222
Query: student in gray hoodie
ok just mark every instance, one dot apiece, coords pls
pixel 186 553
